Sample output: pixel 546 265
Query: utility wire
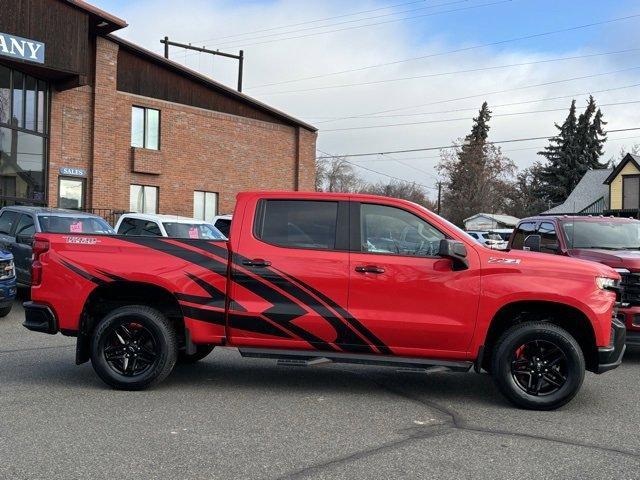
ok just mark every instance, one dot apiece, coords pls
pixel 425 149
pixel 448 52
pixel 511 114
pixel 310 21
pixel 414 17
pixel 475 109
pixel 455 72
pixel 544 84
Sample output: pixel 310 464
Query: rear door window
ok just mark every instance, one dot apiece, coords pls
pixel 523 231
pixel 548 237
pixel 298 223
pixel 7 221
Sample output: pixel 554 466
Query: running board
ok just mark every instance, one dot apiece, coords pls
pixel 306 358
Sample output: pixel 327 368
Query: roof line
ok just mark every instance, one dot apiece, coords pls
pixel 87 7
pixel 629 157
pixel 208 81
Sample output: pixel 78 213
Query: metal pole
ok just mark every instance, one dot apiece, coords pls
pixel 240 68
pixel 439 196
pixel 166 48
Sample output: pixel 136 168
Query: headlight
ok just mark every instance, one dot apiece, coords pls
pixel 604 283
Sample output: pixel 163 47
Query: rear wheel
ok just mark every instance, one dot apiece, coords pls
pixel 201 352
pixel 538 365
pixel 133 348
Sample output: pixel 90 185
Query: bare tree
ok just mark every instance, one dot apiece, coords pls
pixel 336 175
pixel 405 190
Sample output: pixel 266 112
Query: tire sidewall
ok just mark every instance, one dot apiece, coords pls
pixel 152 321
pixel 504 355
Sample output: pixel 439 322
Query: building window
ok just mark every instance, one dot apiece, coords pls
pixel 143 199
pixel 145 128
pixel 631 192
pixel 71 193
pixel 205 205
pixel 23 133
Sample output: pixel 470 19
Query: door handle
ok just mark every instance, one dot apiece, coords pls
pixel 369 269
pixel 256 262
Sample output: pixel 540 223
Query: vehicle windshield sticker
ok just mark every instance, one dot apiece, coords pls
pixel 76 227
pixel 193 232
pixel 82 240
pixel 506 261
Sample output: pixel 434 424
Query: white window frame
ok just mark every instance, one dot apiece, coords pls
pixel 143 191
pixel 145 124
pixel 206 212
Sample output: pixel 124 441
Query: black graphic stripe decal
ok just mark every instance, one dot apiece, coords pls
pixel 255 324
pixel 83 273
pixel 111 276
pixel 210 316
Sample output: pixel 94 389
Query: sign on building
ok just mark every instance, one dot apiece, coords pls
pixel 21 48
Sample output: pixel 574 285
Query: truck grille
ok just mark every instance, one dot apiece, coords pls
pixel 630 284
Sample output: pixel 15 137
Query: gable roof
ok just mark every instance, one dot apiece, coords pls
pixel 589 190
pixel 104 21
pixel 504 219
pixel 629 157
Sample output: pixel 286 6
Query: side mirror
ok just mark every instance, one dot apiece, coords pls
pixel 532 243
pixel 25 239
pixel 456 251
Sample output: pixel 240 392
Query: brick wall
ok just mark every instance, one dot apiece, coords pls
pixel 199 149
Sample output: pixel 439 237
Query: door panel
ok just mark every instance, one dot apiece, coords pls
pixel 290 277
pixel 405 295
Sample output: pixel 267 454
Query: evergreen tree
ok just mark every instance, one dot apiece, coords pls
pixel 476 174
pixel 576 149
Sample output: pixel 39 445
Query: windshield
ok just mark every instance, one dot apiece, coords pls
pixel 71 224
pixel 193 230
pixel 610 235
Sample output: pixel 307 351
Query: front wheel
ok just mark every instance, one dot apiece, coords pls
pixel 4 311
pixel 134 347
pixel 538 366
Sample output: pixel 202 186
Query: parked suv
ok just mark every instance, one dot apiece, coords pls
pixel 608 240
pixel 19 224
pixel 152 225
pixel 488 239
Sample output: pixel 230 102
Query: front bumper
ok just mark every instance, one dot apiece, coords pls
pixel 39 318
pixel 611 357
pixel 7 292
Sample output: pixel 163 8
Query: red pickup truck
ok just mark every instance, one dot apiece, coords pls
pixel 611 241
pixel 310 277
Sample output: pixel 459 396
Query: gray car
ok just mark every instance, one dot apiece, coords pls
pixel 19 224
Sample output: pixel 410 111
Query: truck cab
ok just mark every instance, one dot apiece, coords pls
pixel 611 241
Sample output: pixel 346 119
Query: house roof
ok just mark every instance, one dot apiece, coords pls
pixel 504 219
pixel 629 157
pixel 198 77
pixel 589 190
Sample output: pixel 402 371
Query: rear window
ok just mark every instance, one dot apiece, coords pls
pixel 224 225
pixel 193 230
pixel 71 224
pixel 299 223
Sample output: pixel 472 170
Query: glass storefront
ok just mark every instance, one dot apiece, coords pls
pixel 23 138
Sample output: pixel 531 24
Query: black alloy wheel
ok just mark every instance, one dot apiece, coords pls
pixel 130 348
pixel 539 367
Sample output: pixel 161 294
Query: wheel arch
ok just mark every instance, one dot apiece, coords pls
pixel 112 295
pixel 568 317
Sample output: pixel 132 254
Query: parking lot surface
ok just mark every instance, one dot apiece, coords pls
pixel 228 417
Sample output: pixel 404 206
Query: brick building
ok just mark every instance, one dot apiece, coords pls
pixel 91 121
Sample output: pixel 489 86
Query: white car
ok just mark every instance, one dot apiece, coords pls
pixel 153 225
pixel 223 223
pixel 491 240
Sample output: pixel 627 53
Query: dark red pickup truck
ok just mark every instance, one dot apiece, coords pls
pixel 608 240
pixel 308 277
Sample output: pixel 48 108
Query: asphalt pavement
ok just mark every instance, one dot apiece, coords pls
pixel 229 417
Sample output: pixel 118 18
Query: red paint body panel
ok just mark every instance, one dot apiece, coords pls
pixel 312 299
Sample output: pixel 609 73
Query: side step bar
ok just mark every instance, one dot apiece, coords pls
pixel 304 358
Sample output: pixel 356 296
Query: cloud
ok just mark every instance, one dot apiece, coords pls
pixel 349 49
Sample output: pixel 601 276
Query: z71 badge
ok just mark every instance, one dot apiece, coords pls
pixel 504 261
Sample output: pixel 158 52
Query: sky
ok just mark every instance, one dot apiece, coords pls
pixel 435 62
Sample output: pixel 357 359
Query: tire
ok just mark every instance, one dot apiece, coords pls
pixel 133 348
pixel 5 311
pixel 521 374
pixel 201 352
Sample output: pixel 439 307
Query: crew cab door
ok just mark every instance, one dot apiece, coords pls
pixel 401 291
pixel 290 275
